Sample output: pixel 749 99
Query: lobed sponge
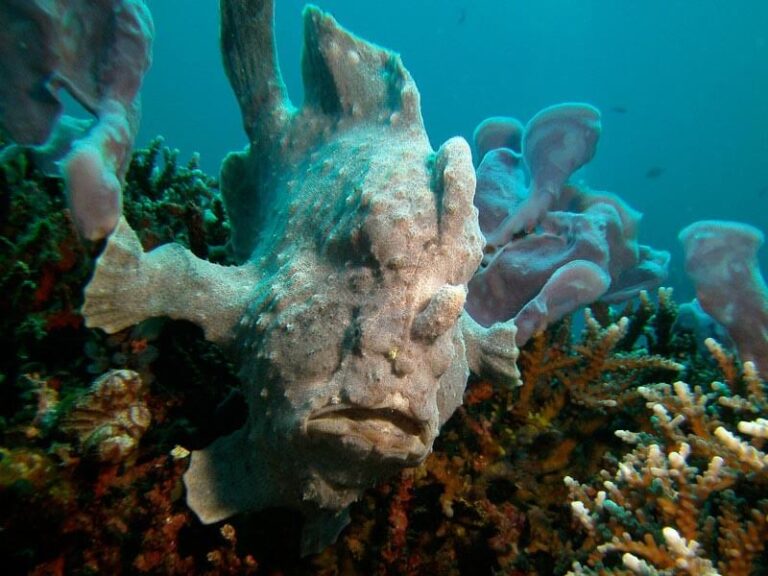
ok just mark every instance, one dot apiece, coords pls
pixel 98 51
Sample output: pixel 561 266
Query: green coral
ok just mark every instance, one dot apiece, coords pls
pixel 168 202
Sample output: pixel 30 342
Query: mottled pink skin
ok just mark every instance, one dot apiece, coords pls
pixel 721 259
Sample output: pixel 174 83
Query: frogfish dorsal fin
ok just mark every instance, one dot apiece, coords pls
pixel 349 77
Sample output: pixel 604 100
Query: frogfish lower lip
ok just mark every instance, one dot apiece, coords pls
pixel 384 432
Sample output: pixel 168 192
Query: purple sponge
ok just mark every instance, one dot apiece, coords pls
pixel 97 50
pixel 721 258
pixel 551 247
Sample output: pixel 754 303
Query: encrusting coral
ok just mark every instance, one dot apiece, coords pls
pixel 111 417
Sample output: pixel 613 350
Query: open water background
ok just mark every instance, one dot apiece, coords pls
pixel 682 85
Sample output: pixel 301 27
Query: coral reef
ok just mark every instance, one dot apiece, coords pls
pixel 489 498
pixel 65 510
pixel 171 202
pixel 43 268
pixel 689 497
pixel 91 473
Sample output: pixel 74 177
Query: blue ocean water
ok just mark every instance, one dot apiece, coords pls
pixel 682 85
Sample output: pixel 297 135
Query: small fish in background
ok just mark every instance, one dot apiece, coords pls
pixel 654 172
pixel 462 16
pixel 619 109
pixel 763 192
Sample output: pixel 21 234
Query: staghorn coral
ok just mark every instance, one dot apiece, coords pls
pixel 689 497
pixel 489 496
pixel 488 499
pixel 603 370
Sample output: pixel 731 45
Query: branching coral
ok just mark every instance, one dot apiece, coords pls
pixel 489 498
pixel 601 371
pixel 689 497
pixel 168 201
